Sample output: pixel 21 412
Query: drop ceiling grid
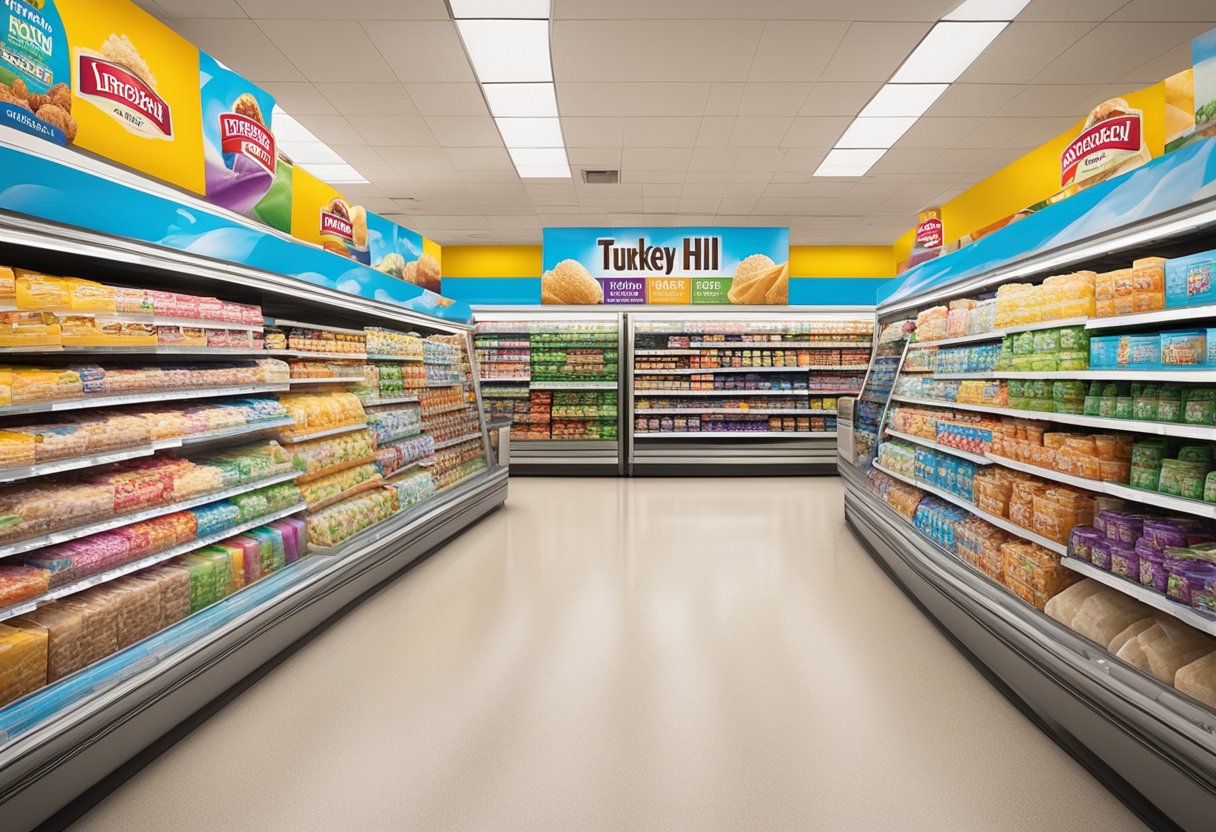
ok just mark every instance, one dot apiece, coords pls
pixel 716 112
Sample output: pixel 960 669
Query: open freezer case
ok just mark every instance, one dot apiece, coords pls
pixel 1034 461
pixel 741 392
pixel 200 462
pixel 555 373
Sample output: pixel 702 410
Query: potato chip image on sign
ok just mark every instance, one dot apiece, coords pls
pixel 758 280
pixel 570 282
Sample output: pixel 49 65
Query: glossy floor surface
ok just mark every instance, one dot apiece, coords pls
pixel 626 655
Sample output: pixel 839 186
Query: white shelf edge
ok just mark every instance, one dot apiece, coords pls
pixel 742 434
pixel 960 339
pixel 946 449
pixel 1185 313
pixel 230 433
pixel 141 398
pixel 320 434
pixel 574 385
pixel 730 411
pixel 999 522
pixel 64 535
pixel 447 443
pixel 409 359
pixel 56 466
pixel 143 563
pixel 1188 615
pixel 310 382
pixel 392 400
pixel 777 345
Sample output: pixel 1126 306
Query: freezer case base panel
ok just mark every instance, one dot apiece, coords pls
pixel 52 767
pixel 1169 780
pixel 656 456
pixel 565 458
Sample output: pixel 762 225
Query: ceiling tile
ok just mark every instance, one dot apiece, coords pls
pixel 826 188
pixel 299 98
pixel 392 131
pixel 714 177
pixel 773 99
pixel 873 51
pixel 623 204
pixel 815 131
pixel 659 204
pixel 804 162
pixel 656 159
pixel 659 175
pixel 510 223
pixel 414 159
pixel 190 8
pixel 1091 10
pixel 1111 50
pixel 789 177
pixel 448 99
pixel 312 44
pixel 756 9
pixel 715 131
pixel 488 177
pixel 245 48
pixel 657 50
pixel 594 157
pixel 844 98
pixel 422 52
pixel 746 190
pixel 1168 63
pixel 750 177
pixel 1043 100
pixel 369 99
pixel 693 220
pixel 758 159
pixel 480 158
pixel 724 99
pixel 332 129
pixel 906 160
pixel 759 131
pixel 737 205
pixel 712 158
pixel 464 131
pixel 1198 10
pixel 961 100
pixel 347 9
pixel 581 131
pixel 795 51
pixel 633 99
pixel 665 189
pixel 680 131
pixel 787 189
pixel 1022 51
pixel 938 132
pixel 703 189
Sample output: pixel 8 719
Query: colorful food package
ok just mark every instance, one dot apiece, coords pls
pixel 66 639
pixel 174 585
pixel 23 661
pixel 138 604
pixel 1036 567
pixel 41 293
pixel 100 634
pixel 20 583
pixel 1198 680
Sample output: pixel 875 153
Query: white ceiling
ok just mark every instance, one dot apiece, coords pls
pixel 715 111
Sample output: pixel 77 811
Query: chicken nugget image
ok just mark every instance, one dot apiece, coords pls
pixel 569 282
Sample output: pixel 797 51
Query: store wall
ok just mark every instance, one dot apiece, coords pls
pixel 819 275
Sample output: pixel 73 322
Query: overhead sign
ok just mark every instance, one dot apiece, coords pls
pixel 930 232
pixel 666 266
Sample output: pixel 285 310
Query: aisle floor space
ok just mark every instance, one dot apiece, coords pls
pixel 626 655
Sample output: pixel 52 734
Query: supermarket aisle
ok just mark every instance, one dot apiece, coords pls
pixel 626 655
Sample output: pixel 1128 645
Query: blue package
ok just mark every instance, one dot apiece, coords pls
pixel 216 517
pixel 1188 280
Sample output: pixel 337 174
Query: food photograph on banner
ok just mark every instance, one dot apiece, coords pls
pixel 666 266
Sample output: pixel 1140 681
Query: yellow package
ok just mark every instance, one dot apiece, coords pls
pixel 29 329
pixel 8 288
pixel 16 449
pixel 89 296
pixel 23 656
pixel 30 384
pixel 41 293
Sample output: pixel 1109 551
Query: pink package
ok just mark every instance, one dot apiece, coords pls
pixel 251 315
pixel 291 540
pixel 253 556
pixel 162 302
pixel 301 535
pixel 185 306
pixel 233 313
pixel 211 309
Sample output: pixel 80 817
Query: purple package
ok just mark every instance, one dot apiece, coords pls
pixel 1122 527
pixel 1099 554
pixel 1081 542
pixel 1125 561
pixel 1152 568
pixel 302 533
pixel 290 533
pixel 1162 532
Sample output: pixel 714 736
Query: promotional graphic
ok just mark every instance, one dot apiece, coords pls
pixel 668 266
pixel 35 72
pixel 244 170
pixel 1203 58
pixel 930 233
pixel 398 251
pixel 1111 142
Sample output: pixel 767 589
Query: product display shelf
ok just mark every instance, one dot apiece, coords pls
pixel 447 443
pixel 353 491
pixel 408 469
pixel 141 398
pixel 1200 620
pixel 64 535
pixel 446 409
pixel 293 438
pixel 767 345
pixel 737 434
pixel 319 382
pixel 574 385
pixel 732 411
pixel 42 469
pixel 961 502
pixel 81 585
pixel 59 740
pixel 978 459
pixel 392 401
pixel 1168 317
pixel 412 359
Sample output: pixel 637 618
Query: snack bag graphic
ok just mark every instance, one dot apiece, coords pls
pixel 35 73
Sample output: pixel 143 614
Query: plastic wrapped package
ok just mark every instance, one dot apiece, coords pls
pixel 215 517
pixel 1107 613
pixel 66 640
pixel 20 583
pixel 273 552
pixel 316 456
pixel 81 558
pixel 332 485
pixel 1198 680
pixel 1037 568
pixel 246 568
pixel 1067 603
pixel 173 583
pixel 138 608
pixel 330 526
pixel 23 661
pixel 1165 648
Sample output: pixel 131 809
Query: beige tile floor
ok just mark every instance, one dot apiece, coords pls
pixel 626 655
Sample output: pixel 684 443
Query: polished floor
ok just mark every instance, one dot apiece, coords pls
pixel 625 655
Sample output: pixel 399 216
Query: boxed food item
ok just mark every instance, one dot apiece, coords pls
pixel 23 661
pixel 1188 280
pixel 1148 278
pixel 1184 348
pixel 1145 351
pixel 66 640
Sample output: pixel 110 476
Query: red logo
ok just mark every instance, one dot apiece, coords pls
pixel 247 137
pixel 138 103
pixel 929 233
pixel 337 226
pixel 1118 133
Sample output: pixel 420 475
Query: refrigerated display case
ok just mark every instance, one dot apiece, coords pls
pixel 556 375
pixel 1033 462
pixel 200 462
pixel 733 393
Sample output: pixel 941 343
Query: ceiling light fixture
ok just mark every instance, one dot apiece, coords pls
pixel 507 50
pixel 946 52
pixel 515 9
pixel 848 162
pixel 521 100
pixel 306 150
pixel 903 100
pixel 875 132
pixel 988 10
pixel 530 132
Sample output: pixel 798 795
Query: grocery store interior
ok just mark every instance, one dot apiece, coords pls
pixel 607 414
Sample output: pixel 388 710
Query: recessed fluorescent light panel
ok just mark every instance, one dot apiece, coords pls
pixel 530 132
pixel 521 100
pixel 507 50
pixel 903 100
pixel 987 10
pixel 305 149
pixel 527 9
pixel 946 52
pixel 875 132
pixel 848 162
pixel 508 44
